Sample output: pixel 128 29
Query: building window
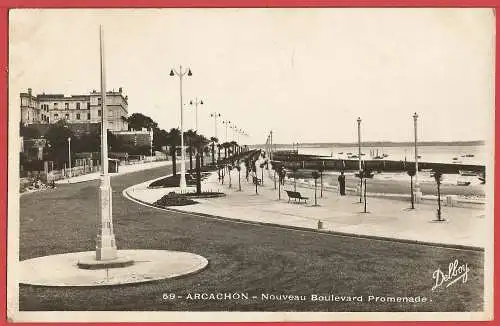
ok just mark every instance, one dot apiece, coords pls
pixel 99 113
pixel 56 115
pixel 55 106
pixel 78 116
pixel 67 115
pixel 66 106
pixel 78 106
pixel 88 105
pixel 88 116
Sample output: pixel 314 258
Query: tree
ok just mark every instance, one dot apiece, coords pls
pixel 233 145
pixel 315 175
pixel 219 147
pixel 438 177
pixel 137 121
pixel 190 136
pixel 28 132
pixel 174 140
pixel 411 173
pixel 226 146
pixel 200 143
pixel 160 139
pixel 365 174
pixel 238 167
pixel 320 170
pixel 295 168
pixel 229 168
pixel 57 138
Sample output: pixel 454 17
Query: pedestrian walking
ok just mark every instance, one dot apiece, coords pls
pixel 341 180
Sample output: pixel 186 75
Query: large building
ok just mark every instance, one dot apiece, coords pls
pixel 75 109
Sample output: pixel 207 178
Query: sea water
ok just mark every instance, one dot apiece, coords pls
pixel 477 154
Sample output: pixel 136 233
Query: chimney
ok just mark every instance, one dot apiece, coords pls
pixel 29 97
pixel 120 90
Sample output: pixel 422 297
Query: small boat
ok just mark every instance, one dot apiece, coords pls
pixel 463 183
pixel 483 180
pixel 349 153
pixel 353 156
pixel 341 153
pixel 455 158
pixel 467 173
pixel 363 154
pixel 469 155
pixel 385 155
pixel 419 156
pixel 378 157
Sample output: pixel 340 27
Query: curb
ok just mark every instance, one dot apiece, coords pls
pixel 298 228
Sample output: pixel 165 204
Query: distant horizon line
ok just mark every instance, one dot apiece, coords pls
pixel 380 143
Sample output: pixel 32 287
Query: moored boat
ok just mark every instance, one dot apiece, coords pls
pixel 467 173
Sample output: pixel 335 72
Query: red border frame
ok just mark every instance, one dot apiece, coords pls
pixel 4 26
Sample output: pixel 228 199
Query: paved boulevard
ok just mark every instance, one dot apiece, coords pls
pixel 243 258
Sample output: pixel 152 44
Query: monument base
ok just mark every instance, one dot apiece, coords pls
pixel 93 263
pixel 62 270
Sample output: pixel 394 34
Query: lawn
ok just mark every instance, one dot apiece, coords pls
pixel 242 258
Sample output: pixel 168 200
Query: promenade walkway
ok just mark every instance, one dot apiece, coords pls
pixel 388 218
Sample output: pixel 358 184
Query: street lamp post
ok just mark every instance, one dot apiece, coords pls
pixel 69 157
pixel 195 103
pixel 359 159
pixel 417 186
pixel 271 147
pixel 226 123
pixel 181 73
pixel 215 115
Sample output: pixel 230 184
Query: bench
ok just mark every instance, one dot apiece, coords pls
pixel 259 181
pixel 296 195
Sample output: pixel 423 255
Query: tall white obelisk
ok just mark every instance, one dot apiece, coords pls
pixel 105 243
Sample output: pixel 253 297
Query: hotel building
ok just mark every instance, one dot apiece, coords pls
pixel 75 109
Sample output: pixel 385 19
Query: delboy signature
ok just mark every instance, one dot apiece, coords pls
pixel 455 273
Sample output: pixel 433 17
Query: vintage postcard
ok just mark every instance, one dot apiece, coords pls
pixel 278 164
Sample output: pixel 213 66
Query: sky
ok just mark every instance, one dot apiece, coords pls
pixel 305 74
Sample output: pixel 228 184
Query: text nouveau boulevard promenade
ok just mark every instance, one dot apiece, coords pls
pixel 294 297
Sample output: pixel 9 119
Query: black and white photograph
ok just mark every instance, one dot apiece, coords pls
pixel 250 164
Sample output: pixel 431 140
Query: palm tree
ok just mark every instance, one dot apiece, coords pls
pixel 190 135
pixel 262 171
pixel 214 140
pixel 321 169
pixel 226 147
pixel 365 174
pixel 247 167
pixel 411 173
pixel 199 142
pixel 174 140
pixel 219 147
pixel 438 176
pixel 295 168
pixel 238 167
pixel 229 168
pixel 233 145
pixel 315 175
pixel 254 169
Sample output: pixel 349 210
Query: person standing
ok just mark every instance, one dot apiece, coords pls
pixel 342 183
